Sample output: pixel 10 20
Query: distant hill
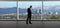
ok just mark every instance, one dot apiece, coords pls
pixel 7 10
pixel 52 8
pixel 24 10
pixel 13 10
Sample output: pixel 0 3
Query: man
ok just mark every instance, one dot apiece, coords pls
pixel 29 15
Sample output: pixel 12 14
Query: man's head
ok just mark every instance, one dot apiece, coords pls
pixel 30 6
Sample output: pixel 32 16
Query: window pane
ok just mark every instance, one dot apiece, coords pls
pixel 51 0
pixel 36 9
pixel 8 0
pixel 29 0
pixel 51 10
pixel 7 10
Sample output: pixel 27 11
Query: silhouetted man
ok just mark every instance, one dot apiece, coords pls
pixel 29 15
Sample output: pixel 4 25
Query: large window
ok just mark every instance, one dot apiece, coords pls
pixel 36 9
pixel 51 10
pixel 7 10
pixel 46 10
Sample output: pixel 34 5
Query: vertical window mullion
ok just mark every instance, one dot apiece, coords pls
pixel 42 11
pixel 17 11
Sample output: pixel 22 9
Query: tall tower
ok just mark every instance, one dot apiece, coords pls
pixel 56 13
pixel 39 11
pixel 46 11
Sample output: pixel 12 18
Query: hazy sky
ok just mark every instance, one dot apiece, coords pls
pixel 7 4
pixel 51 3
pixel 26 4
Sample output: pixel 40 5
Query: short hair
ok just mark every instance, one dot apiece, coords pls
pixel 30 5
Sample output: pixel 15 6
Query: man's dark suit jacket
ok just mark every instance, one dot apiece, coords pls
pixel 29 12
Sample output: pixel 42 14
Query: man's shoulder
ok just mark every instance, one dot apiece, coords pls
pixel 28 8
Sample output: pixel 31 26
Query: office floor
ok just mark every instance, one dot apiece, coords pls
pixel 35 24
